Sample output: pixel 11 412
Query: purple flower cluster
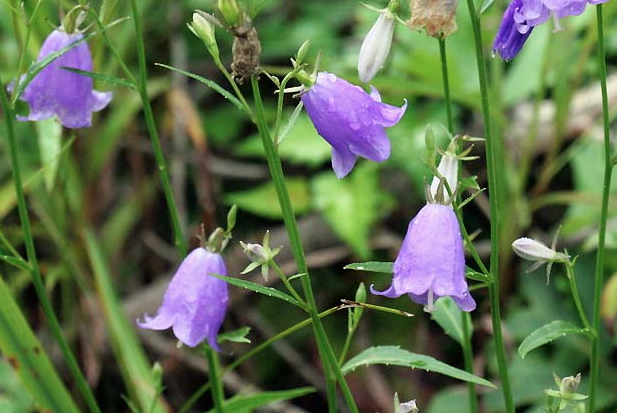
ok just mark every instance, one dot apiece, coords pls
pixel 195 302
pixel 61 93
pixel 350 120
pixel 522 16
pixel 431 261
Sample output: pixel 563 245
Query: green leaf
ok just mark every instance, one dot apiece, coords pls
pixel 447 314
pixel 262 200
pixel 49 134
pixel 236 336
pixel 393 355
pixel 112 80
pixel 210 83
pixel 134 365
pixel 28 359
pixel 246 404
pixel 546 334
pixel 301 146
pixel 371 266
pixel 352 205
pixel 258 288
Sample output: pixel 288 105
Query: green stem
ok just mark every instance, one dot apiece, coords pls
pixel 446 83
pixel 35 271
pixel 216 388
pixel 608 169
pixel 465 318
pixel 193 399
pixel 276 171
pixel 576 296
pixel 285 280
pixel 154 135
pixel 495 181
pixel 468 358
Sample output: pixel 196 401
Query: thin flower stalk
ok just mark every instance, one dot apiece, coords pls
pixel 274 164
pixel 35 271
pixel 606 187
pixel 495 181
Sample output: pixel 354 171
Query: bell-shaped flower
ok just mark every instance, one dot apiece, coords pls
pixel 431 261
pixel 195 302
pixel 522 16
pixel 352 121
pixel 376 46
pixel 56 92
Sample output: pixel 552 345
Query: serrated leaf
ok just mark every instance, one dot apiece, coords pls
pixel 112 80
pixel 447 314
pixel 236 336
pixel 393 355
pixel 210 83
pixel 371 266
pixel 258 288
pixel 262 200
pixel 546 334
pixel 247 403
pixel 49 134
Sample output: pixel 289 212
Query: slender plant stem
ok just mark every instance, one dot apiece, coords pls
pixel 154 135
pixel 285 280
pixel 608 169
pixel 465 318
pixel 576 296
pixel 495 180
pixel 468 359
pixel 35 271
pixel 191 401
pixel 216 384
pixel 274 164
pixel 446 83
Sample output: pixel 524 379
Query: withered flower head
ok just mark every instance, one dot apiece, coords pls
pixel 437 17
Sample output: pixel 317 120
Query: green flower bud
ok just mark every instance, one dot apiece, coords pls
pixel 203 28
pixel 230 11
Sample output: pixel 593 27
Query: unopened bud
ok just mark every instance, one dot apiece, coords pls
pixel 230 11
pixel 448 169
pixel 437 17
pixel 204 29
pixel 255 252
pixel 532 250
pixel 376 46
pixel 569 384
pixel 408 407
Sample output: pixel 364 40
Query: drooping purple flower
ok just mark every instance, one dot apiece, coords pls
pixel 352 121
pixel 522 16
pixel 61 93
pixel 431 261
pixel 510 39
pixel 195 302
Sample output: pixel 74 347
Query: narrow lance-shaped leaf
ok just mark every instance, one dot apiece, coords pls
pixel 395 356
pixel 27 357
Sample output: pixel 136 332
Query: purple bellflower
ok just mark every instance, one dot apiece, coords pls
pixel 352 121
pixel 61 93
pixel 522 16
pixel 195 302
pixel 431 261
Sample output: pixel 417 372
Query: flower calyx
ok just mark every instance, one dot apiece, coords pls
pixel 261 255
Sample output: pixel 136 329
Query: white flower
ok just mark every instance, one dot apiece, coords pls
pixel 409 407
pixel 376 46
